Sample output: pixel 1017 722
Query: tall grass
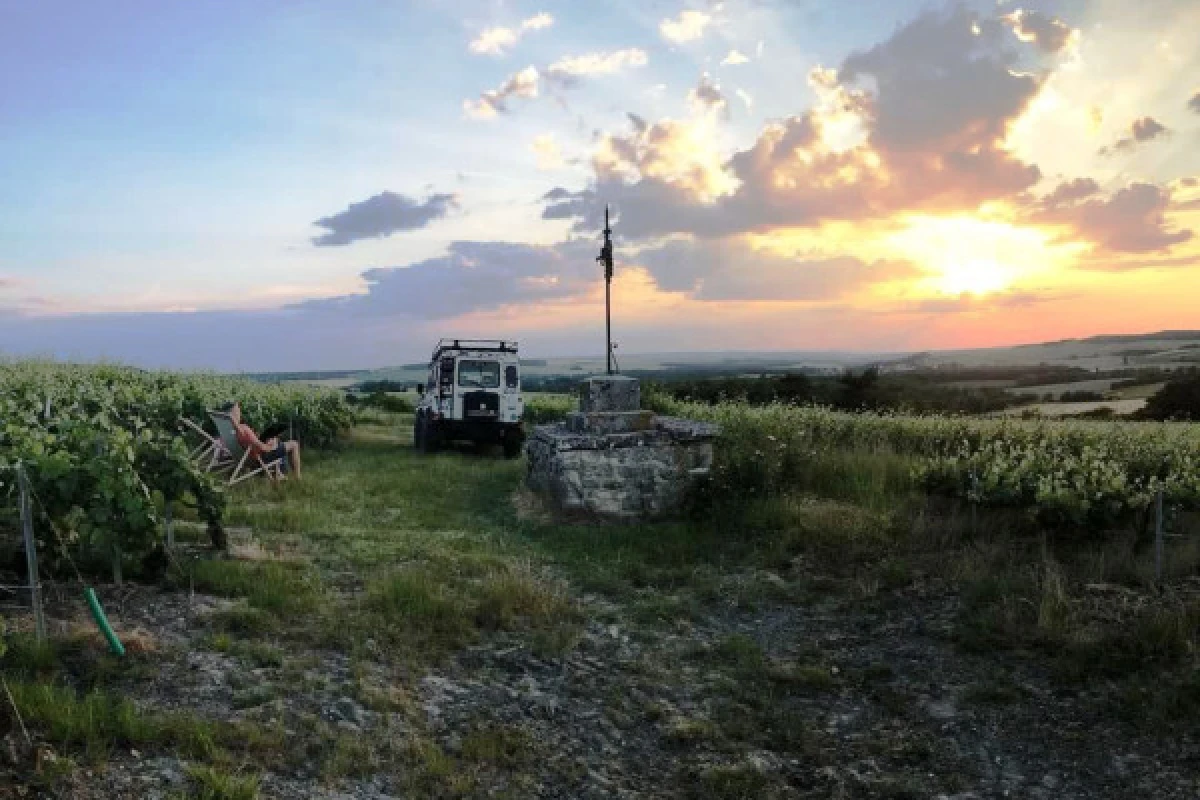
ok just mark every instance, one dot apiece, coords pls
pixel 544 408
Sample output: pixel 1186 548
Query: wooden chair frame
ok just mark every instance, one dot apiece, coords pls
pixel 240 456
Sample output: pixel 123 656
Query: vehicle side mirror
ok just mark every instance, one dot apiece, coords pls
pixel 420 388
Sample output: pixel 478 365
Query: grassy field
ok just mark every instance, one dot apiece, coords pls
pixel 396 625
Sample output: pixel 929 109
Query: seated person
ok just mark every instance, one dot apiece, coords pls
pixel 287 452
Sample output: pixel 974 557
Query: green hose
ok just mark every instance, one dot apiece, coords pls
pixel 114 644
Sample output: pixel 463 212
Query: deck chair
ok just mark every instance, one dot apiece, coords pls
pixel 247 466
pixel 211 454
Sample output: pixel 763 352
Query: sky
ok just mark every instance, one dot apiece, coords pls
pixel 296 185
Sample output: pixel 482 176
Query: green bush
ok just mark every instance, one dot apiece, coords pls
pixel 541 409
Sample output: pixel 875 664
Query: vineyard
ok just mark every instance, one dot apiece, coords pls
pixel 104 452
pixel 827 622
pixel 1071 475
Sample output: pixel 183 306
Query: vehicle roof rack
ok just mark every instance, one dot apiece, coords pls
pixel 493 345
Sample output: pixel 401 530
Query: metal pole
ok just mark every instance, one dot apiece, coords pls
pixel 608 323
pixel 606 259
pixel 1158 537
pixel 35 585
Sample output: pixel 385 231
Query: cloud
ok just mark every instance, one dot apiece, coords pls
pixel 1050 34
pixel 471 276
pixel 966 302
pixel 523 84
pixel 706 98
pixel 733 59
pixel 567 72
pixel 382 215
pixel 915 123
pixel 1069 192
pixel 1194 103
pixel 1130 220
pixel 1142 130
pixel 723 270
pixel 495 41
pixel 745 97
pixel 688 26
pixel 942 87
pixel 549 154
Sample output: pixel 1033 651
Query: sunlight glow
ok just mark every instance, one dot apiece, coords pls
pixel 975 277
pixel 966 254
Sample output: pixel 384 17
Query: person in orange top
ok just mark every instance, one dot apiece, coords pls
pixel 288 452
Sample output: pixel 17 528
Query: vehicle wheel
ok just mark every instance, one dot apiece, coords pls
pixel 419 433
pixel 430 441
pixel 512 447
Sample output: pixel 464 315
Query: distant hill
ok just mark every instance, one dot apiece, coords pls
pixel 1163 349
pixel 1106 353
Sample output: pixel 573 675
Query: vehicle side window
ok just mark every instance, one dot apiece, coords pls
pixel 510 376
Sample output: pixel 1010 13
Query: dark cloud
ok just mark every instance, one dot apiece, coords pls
pixel 382 215
pixel 1131 220
pixel 1070 191
pixel 936 100
pixel 1194 103
pixel 1142 130
pixel 707 97
pixel 730 270
pixel 471 276
pixel 1048 33
pixel 940 85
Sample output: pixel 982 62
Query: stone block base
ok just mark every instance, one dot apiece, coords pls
pixel 624 475
pixel 610 393
pixel 609 421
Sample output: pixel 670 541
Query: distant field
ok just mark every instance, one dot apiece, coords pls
pixel 1098 385
pixel 1126 406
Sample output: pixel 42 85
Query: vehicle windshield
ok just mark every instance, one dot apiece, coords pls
pixel 479 374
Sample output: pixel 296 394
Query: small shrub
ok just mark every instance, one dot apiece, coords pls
pixel 504 746
pixel 271 586
pixel 210 783
pixel 420 601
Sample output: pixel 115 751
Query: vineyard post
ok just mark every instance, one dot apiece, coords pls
pixel 1158 536
pixel 974 503
pixel 35 583
pixel 169 524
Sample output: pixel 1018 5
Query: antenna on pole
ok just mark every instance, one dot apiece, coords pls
pixel 606 258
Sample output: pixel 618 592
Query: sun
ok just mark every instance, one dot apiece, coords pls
pixel 977 276
pixel 966 254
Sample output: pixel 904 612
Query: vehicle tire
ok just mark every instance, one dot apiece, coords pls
pixel 512 447
pixel 430 440
pixel 419 433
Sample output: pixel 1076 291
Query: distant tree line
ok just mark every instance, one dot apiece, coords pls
pixel 370 387
pixel 1179 399
pixel 853 390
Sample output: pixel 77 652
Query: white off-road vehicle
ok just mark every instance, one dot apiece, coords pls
pixel 473 393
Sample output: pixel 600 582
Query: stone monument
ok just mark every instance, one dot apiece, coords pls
pixel 612 458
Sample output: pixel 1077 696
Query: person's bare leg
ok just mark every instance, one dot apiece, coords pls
pixel 293 451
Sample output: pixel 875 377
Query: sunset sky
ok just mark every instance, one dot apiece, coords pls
pixel 283 185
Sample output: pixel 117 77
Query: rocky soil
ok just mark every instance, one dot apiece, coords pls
pixel 816 691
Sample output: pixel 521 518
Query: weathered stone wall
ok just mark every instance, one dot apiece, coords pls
pixel 610 393
pixel 626 475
